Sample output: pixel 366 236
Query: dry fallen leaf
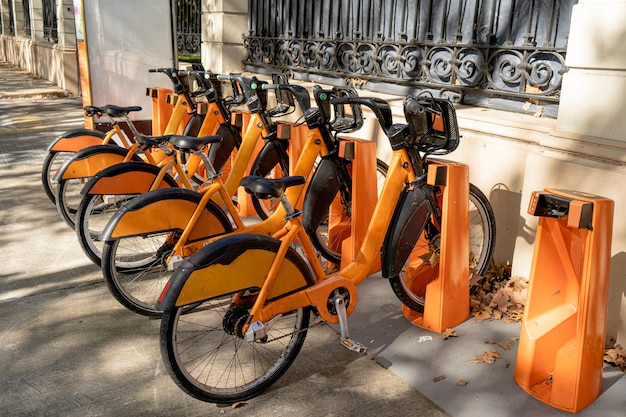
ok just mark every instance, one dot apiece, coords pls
pixel 504 345
pixel 497 295
pixel 487 357
pixel 448 333
pixel 462 383
pixel 238 404
pixel 439 378
pixel 616 356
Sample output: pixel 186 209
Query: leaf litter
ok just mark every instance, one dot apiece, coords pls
pixel 498 296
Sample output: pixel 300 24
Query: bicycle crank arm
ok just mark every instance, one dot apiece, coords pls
pixel 340 306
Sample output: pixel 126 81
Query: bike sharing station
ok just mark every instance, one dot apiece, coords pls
pixel 559 360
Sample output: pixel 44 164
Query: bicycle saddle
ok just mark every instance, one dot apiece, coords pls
pixel 192 143
pixel 117 111
pixel 267 187
pixel 152 141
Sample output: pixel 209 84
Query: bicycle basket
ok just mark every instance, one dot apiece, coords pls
pixel 432 124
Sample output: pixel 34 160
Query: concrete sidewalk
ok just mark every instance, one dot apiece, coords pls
pixel 68 348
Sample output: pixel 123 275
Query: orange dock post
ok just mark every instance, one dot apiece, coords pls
pixel 161 109
pixel 364 198
pixel 561 348
pixel 446 299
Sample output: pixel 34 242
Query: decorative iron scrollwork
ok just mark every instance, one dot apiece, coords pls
pixel 470 47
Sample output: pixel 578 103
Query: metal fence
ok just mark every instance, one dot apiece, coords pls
pixel 503 48
pixel 188 29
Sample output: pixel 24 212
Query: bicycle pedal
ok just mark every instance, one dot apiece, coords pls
pixel 353 345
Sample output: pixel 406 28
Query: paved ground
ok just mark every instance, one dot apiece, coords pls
pixel 68 348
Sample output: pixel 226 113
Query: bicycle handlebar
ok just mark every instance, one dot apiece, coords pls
pixel 380 107
pixel 300 93
pixel 172 73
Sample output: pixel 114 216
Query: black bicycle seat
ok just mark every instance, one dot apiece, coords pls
pixel 117 111
pixel 264 188
pixel 191 143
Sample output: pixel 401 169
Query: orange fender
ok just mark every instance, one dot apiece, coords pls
pixel 163 210
pixel 75 140
pixel 88 162
pixel 127 178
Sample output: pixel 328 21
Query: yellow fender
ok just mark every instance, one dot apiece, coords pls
pixel 163 210
pixel 75 140
pixel 231 264
pixel 88 162
pixel 127 178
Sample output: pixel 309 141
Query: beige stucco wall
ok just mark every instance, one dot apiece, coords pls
pixel 223 26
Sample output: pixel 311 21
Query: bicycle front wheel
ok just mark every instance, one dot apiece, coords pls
pixel 336 225
pixel 209 360
pixel 51 165
pixel 272 162
pixel 410 285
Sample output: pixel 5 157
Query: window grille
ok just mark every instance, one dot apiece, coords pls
pixel 50 32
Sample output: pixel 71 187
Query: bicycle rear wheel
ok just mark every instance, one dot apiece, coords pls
pixel 68 198
pixel 208 358
pixel 93 214
pixel 135 267
pixel 51 164
pixel 410 285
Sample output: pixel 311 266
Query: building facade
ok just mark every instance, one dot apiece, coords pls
pixel 39 36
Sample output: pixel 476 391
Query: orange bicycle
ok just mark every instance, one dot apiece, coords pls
pixel 236 313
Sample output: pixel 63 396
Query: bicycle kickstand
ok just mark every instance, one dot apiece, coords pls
pixel 340 306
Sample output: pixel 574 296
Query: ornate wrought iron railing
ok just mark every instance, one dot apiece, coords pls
pixel 505 48
pixel 50 32
pixel 188 29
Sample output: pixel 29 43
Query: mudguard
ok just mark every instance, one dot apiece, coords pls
pixel 126 178
pixel 163 210
pixel 322 190
pixel 234 263
pixel 76 139
pixel 88 162
pixel 192 128
pixel 409 219
pixel 221 151
pixel 268 157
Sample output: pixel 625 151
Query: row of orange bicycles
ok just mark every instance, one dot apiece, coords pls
pixel 161 215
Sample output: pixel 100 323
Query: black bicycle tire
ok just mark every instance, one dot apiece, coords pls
pixel 46 176
pixel 69 214
pixel 416 302
pixel 261 169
